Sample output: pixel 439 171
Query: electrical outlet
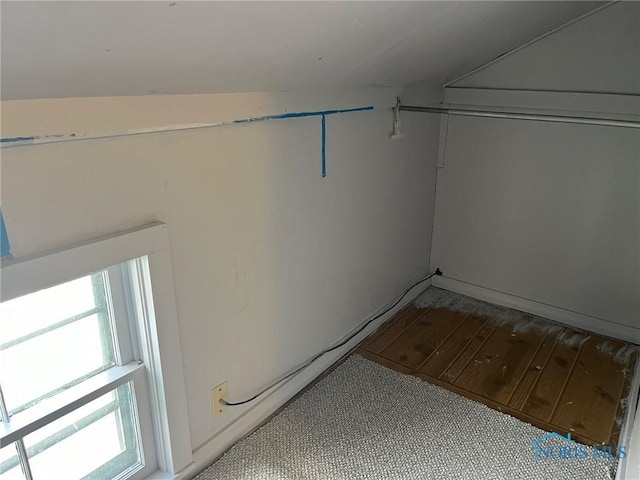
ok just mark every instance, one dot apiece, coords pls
pixel 218 393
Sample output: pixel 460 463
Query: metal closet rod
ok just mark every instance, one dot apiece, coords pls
pixel 541 117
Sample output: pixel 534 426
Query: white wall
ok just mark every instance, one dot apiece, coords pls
pixel 597 54
pixel 272 262
pixel 545 217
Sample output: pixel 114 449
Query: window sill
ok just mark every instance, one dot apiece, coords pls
pixel 159 475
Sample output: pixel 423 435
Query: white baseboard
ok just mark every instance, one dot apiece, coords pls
pixel 261 410
pixel 567 317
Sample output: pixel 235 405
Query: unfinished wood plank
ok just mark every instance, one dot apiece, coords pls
pixel 407 309
pixel 374 357
pixel 549 386
pixel 423 337
pixel 496 369
pixel 532 373
pixel 472 396
pixel 623 404
pixel 398 324
pixel 447 353
pixel 458 365
pixel 543 383
pixel 590 401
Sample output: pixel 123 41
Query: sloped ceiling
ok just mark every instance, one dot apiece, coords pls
pixel 599 54
pixel 78 49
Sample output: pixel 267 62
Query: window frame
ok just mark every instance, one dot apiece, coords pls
pixel 145 252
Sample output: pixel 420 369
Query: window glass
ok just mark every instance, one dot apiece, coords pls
pixel 101 439
pixel 24 315
pixel 9 464
pixel 53 339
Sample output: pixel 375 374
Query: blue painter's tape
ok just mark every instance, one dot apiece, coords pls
pixel 324 145
pixel 322 113
pixel 17 139
pixel 40 139
pixel 5 248
pixel 302 114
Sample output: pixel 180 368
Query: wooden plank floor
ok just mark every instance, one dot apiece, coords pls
pixel 553 377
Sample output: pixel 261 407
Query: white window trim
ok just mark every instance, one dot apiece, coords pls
pixel 149 244
pixel 30 420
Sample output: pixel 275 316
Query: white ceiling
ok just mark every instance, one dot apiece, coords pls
pixel 78 49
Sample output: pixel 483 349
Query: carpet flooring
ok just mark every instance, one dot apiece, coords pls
pixel 364 421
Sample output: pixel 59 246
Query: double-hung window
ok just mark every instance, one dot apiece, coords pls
pixel 81 391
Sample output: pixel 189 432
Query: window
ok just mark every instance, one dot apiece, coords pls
pixel 81 386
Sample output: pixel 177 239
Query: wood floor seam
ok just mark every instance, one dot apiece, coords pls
pixel 524 372
pixel 462 350
pixel 564 385
pixel 435 350
pixel 409 325
pixel 535 383
pixel 474 354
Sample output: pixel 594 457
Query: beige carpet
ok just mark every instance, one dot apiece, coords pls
pixel 367 422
